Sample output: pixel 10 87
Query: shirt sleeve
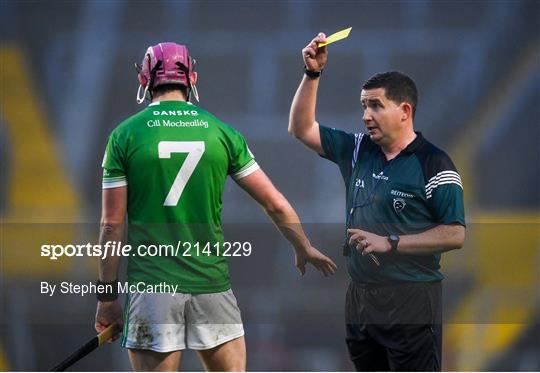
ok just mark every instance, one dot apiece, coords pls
pixel 444 192
pixel 340 147
pixel 114 172
pixel 242 162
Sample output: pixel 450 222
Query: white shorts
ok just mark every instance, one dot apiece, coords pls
pixel 163 322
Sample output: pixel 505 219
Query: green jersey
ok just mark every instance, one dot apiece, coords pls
pixel 174 158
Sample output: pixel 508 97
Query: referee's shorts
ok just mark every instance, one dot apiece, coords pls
pixel 394 327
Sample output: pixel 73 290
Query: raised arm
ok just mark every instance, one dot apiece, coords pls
pixel 276 206
pixel 302 122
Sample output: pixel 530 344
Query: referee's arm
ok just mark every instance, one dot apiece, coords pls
pixel 444 237
pixel 435 240
pixel 302 123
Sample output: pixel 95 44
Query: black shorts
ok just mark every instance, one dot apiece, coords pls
pixel 394 327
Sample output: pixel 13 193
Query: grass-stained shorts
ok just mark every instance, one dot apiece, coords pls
pixel 163 322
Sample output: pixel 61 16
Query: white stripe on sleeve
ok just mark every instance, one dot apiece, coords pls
pixel 114 182
pixel 442 178
pixel 246 171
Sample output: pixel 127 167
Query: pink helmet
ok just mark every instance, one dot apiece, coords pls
pixel 165 63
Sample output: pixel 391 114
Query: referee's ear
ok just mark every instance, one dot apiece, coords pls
pixel 406 111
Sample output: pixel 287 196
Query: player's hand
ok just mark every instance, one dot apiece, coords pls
pixel 367 242
pixel 315 57
pixel 108 313
pixel 321 262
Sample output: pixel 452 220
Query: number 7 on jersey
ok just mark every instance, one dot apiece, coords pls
pixel 195 150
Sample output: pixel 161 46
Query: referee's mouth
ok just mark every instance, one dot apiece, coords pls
pixel 372 129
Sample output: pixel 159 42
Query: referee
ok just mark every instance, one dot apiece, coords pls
pixel 404 208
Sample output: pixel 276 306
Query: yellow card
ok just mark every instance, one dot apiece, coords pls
pixel 336 37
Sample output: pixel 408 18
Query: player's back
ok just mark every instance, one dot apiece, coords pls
pixel 174 158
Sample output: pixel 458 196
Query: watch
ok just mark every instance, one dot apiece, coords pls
pixel 394 240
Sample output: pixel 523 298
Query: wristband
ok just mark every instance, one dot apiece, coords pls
pixel 311 73
pixel 107 296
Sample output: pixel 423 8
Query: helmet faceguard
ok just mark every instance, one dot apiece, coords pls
pixel 165 63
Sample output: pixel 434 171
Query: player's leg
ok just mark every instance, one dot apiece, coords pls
pixel 227 357
pixel 152 361
pixel 154 330
pixel 214 328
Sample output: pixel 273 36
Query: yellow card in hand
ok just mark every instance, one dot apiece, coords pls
pixel 336 37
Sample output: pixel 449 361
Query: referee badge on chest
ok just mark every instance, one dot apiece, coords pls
pixel 399 204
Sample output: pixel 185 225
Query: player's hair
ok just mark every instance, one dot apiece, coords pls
pixel 398 87
pixel 166 88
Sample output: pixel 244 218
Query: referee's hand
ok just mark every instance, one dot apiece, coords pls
pixel 367 242
pixel 321 262
pixel 315 57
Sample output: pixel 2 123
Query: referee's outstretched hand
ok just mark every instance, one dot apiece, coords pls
pixel 321 262
pixel 315 57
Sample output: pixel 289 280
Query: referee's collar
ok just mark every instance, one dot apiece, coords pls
pixel 415 144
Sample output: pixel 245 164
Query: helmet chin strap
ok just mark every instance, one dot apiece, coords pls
pixel 195 92
pixel 140 99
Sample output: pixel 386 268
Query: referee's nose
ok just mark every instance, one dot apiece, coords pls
pixel 367 117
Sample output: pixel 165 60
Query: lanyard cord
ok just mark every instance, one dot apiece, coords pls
pixel 367 201
pixel 371 195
